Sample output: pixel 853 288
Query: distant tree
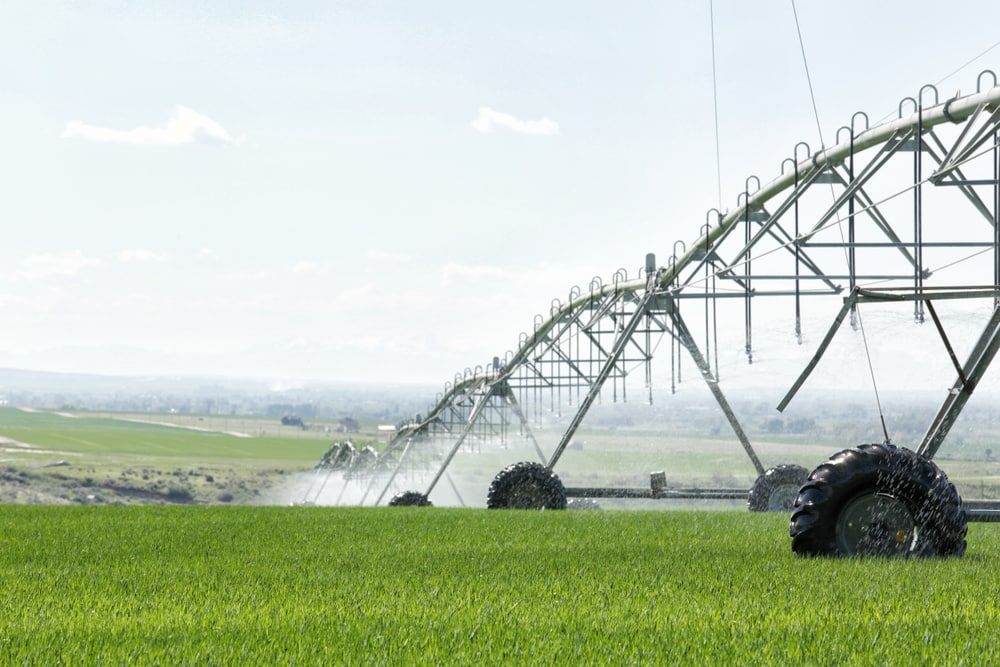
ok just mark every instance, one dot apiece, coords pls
pixel 801 425
pixel 774 425
pixel 292 421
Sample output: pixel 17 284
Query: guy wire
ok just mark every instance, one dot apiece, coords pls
pixel 819 128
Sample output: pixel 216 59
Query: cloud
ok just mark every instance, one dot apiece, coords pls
pixel 185 126
pixel 140 255
pixel 489 120
pixel 38 267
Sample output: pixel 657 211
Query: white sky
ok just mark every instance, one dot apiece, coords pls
pixel 390 191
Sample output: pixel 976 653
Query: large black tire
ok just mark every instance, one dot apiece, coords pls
pixel 878 500
pixel 410 499
pixel 526 485
pixel 775 490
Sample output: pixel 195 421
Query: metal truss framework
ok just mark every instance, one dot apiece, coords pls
pixel 871 218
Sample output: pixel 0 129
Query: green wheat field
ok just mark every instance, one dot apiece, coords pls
pixel 203 571
pixel 309 585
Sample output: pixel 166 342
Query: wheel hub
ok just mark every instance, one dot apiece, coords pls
pixel 526 495
pixel 876 524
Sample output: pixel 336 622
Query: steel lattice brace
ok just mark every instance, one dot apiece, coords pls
pixel 884 207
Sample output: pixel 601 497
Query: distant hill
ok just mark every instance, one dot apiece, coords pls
pixel 159 393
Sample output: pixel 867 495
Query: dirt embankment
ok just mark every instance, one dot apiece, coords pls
pixel 62 482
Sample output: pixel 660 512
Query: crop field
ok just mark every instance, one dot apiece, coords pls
pixel 85 458
pixel 160 435
pixel 81 457
pixel 300 585
pixel 192 578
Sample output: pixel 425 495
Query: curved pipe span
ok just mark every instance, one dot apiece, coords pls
pixel 955 110
pixel 666 279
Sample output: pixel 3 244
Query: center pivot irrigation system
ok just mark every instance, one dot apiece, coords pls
pixel 888 215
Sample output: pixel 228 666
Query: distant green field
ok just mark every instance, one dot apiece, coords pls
pixel 84 458
pixel 128 434
pixel 137 458
pixel 252 585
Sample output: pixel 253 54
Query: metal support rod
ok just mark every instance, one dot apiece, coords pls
pixel 321 487
pixel 617 350
pixel 705 286
pixel 473 416
pixel 713 384
pixel 956 178
pixel 673 362
pixel 680 378
pixel 958 111
pixel 746 301
pixel 798 261
pixel 525 427
pixel 668 494
pixel 918 228
pixel 343 490
pixel 454 488
pixel 947 343
pixel 715 332
pixel 851 251
pixel 849 303
pixel 648 365
pixel 982 515
pixel 312 484
pixel 996 208
pixel 399 465
pixel 885 295
pixel 982 355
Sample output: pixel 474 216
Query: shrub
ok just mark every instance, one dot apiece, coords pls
pixel 179 494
